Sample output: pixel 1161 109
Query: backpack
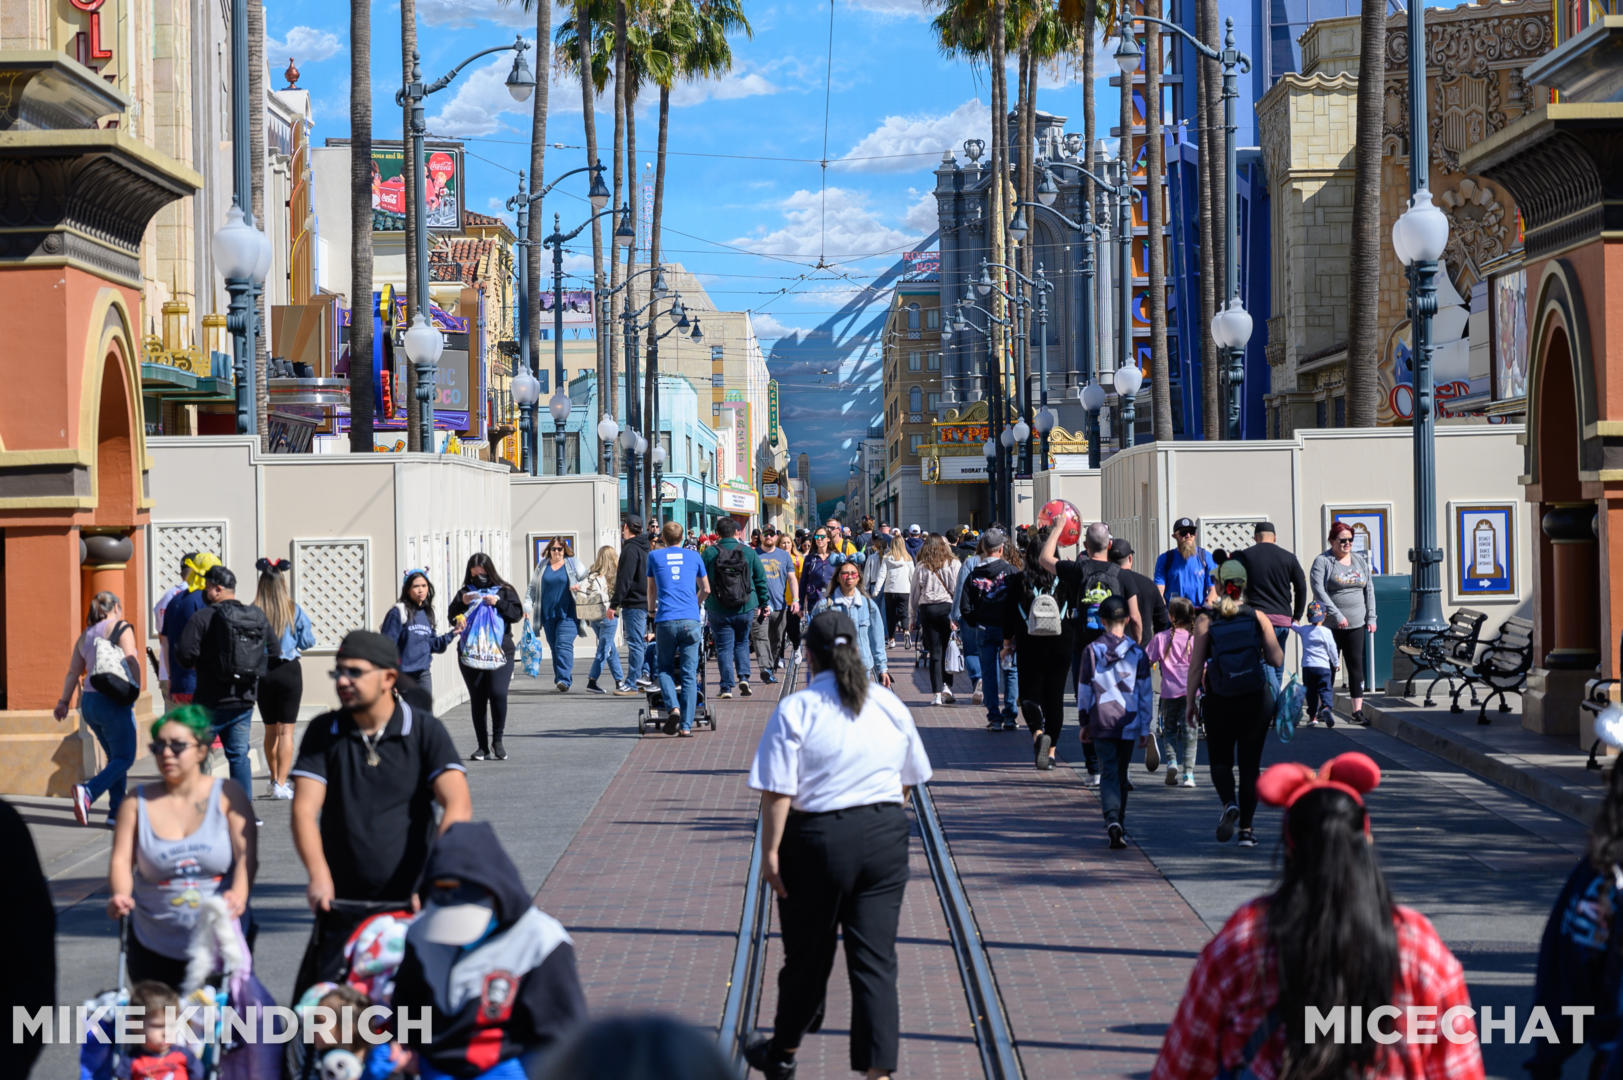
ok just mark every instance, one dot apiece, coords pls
pixel 1045 617
pixel 1094 593
pixel 1234 661
pixel 114 675
pixel 238 638
pixel 984 593
pixel 731 573
pixel 592 602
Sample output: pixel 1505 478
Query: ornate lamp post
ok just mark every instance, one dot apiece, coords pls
pixel 526 391
pixel 242 254
pixel 607 432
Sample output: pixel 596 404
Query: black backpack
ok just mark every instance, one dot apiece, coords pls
pixel 732 578
pixel 238 640
pixel 1234 660
pixel 985 594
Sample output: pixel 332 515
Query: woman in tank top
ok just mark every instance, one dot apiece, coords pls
pixel 177 842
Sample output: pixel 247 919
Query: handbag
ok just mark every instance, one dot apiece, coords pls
pixel 482 632
pixel 1288 709
pixel 113 675
pixel 529 651
pixel 954 658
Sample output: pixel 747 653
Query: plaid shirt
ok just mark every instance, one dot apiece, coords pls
pixel 1234 984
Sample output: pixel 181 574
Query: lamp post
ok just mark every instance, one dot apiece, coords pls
pixel 519 205
pixel 520 84
pixel 607 432
pixel 526 391
pixel 623 235
pixel 1419 238
pixel 994 401
pixel 1232 333
pixel 1039 285
pixel 704 491
pixel 242 254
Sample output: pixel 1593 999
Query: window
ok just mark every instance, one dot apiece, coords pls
pixel 915 361
pixel 935 403
pixel 935 361
pixel 895 450
pixel 1341 412
pixel 912 316
pixel 687 460
pixel 915 399
pixel 913 444
pixel 665 444
pixel 932 319
pixel 1319 413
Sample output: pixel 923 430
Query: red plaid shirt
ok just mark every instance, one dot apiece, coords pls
pixel 1234 984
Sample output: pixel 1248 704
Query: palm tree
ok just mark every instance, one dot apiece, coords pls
pixel 256 172
pixel 1363 290
pixel 1213 226
pixel 620 104
pixel 360 227
pixel 582 58
pixel 1160 360
pixel 538 162
pixel 408 47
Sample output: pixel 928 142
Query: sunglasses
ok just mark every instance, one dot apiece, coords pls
pixel 353 674
pixel 1181 533
pixel 1344 540
pixel 821 536
pixel 176 747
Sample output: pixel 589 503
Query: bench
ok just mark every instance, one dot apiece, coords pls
pixel 1447 655
pixel 1502 668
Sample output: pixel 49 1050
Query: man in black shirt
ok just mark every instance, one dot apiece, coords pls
pixel 1152 606
pixel 226 642
pixel 1276 585
pixel 364 788
pixel 631 599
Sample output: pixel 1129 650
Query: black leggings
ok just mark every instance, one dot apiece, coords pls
pixel 281 689
pixel 934 620
pixel 895 614
pixel 488 689
pixel 1044 673
pixel 1236 730
pixel 1351 643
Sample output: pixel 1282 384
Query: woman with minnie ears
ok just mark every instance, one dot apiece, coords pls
pixel 1329 936
pixel 281 688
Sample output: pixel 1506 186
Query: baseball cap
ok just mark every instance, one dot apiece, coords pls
pixel 1112 609
pixel 1264 527
pixel 1315 612
pixel 770 530
pixel 1183 524
pixel 632 522
pixel 1120 548
pixel 995 537
pixel 913 530
pixel 1232 570
pixel 456 913
pixel 829 629
pixel 377 649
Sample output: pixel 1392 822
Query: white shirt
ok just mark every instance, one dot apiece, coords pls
pixel 816 752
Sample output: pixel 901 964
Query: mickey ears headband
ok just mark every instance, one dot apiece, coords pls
pixel 265 566
pixel 1353 773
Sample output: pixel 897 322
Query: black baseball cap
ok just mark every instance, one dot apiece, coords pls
pixel 1264 527
pixel 379 650
pixel 1183 524
pixel 770 530
pixel 1112 609
pixel 829 629
pixel 632 522
pixel 1120 549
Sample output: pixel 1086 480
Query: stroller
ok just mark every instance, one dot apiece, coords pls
pixel 655 715
pixel 373 951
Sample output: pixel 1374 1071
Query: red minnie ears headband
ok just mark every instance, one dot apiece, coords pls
pixel 281 566
pixel 1353 773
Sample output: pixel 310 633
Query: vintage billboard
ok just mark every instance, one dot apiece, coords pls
pixel 443 192
pixel 577 305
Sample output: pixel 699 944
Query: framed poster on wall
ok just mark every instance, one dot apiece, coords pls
pixel 1371 524
pixel 1482 551
pixel 537 547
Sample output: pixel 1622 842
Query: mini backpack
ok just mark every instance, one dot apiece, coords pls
pixel 1045 617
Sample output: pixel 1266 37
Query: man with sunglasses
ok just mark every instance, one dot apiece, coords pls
pixel 364 787
pixel 1187 569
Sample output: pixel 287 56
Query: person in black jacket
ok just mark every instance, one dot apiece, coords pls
pixel 487 689
pixel 1152 606
pixel 630 600
pixel 229 659
pixel 28 978
pixel 1278 587
pixel 497 972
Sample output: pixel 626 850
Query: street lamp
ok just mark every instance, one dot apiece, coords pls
pixel 1128 380
pixel 424 346
pixel 526 391
pixel 607 432
pixel 560 407
pixel 236 253
pixel 1093 399
pixel 994 398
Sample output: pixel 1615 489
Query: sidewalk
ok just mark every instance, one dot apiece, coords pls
pixel 1552 770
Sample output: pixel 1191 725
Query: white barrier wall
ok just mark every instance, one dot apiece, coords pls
pixel 1228 487
pixel 1077 484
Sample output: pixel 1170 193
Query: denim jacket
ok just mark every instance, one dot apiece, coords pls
pixel 297 636
pixel 870 625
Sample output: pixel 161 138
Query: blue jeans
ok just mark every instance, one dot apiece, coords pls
pixel 970 637
pixel 732 634
pixel 114 728
pixel 636 620
pixel 606 652
pixel 561 633
pixel 1115 755
pixel 679 641
pixel 1001 690
pixel 233 727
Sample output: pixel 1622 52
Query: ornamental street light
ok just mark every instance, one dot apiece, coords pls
pixel 1419 237
pixel 242 254
pixel 607 432
pixel 635 497
pixel 1128 380
pixel 520 84
pixel 1041 286
pixel 526 391
pixel 424 346
pixel 999 472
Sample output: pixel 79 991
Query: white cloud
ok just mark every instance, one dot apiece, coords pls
pixel 922 216
pixel 769 328
pixel 479 102
pixel 460 13
pixel 730 87
pixel 305 44
pixel 907 143
pixel 847 227
pixel 913 9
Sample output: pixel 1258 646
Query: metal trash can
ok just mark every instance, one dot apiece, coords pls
pixel 1391 612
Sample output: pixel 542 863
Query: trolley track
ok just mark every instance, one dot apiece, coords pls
pixel 994 1038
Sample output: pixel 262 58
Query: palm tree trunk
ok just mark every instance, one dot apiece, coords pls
pixel 538 163
pixel 408 47
pixel 653 236
pixel 633 194
pixel 588 109
pixel 1212 225
pixel 1362 295
pixel 618 168
pixel 360 227
pixel 256 154
pixel 1090 18
pixel 1160 358
pixel 999 191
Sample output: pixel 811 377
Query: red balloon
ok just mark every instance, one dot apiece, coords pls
pixel 1062 511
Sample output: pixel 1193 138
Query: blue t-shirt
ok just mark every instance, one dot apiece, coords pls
pixel 1190 578
pixel 182 679
pixel 779 567
pixel 557 602
pixel 676 573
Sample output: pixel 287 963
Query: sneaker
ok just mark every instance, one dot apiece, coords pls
pixel 1328 716
pixel 1040 748
pixel 1118 837
pixel 1152 755
pixel 481 754
pixel 1248 838
pixel 644 683
pixel 1172 776
pixel 498 751
pixel 995 724
pixel 1226 823
pixel 1358 718
pixel 744 688
pixel 975 695
pixel 890 643
pixel 259 823
pixel 768 677
pixel 946 695
pixel 781 663
pixel 725 694
pixel 1188 779
pixel 1008 723
pixel 562 687
pixel 936 700
pixel 282 791
pixel 593 688
pixel 626 689
pixel 771 1063
pixel 1091 780
pixel 81 804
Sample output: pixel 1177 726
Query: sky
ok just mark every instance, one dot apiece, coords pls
pixel 860 84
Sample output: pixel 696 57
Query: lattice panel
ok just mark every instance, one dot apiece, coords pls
pixel 330 579
pixel 172 542
pixel 1229 534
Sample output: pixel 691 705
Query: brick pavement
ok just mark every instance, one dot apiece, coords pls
pixel 1091 948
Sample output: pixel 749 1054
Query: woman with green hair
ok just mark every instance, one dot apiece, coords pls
pixel 177 842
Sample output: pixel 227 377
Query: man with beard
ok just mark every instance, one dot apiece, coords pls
pixel 364 788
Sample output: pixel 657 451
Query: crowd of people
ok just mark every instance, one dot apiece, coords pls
pixel 383 816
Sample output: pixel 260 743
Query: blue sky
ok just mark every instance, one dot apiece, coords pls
pixel 754 225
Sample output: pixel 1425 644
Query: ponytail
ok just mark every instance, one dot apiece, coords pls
pixel 101 606
pixel 850 677
pixel 1228 607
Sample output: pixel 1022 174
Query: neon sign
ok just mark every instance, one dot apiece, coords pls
pixel 92 53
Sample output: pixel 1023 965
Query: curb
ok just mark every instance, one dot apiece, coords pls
pixel 1524 777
